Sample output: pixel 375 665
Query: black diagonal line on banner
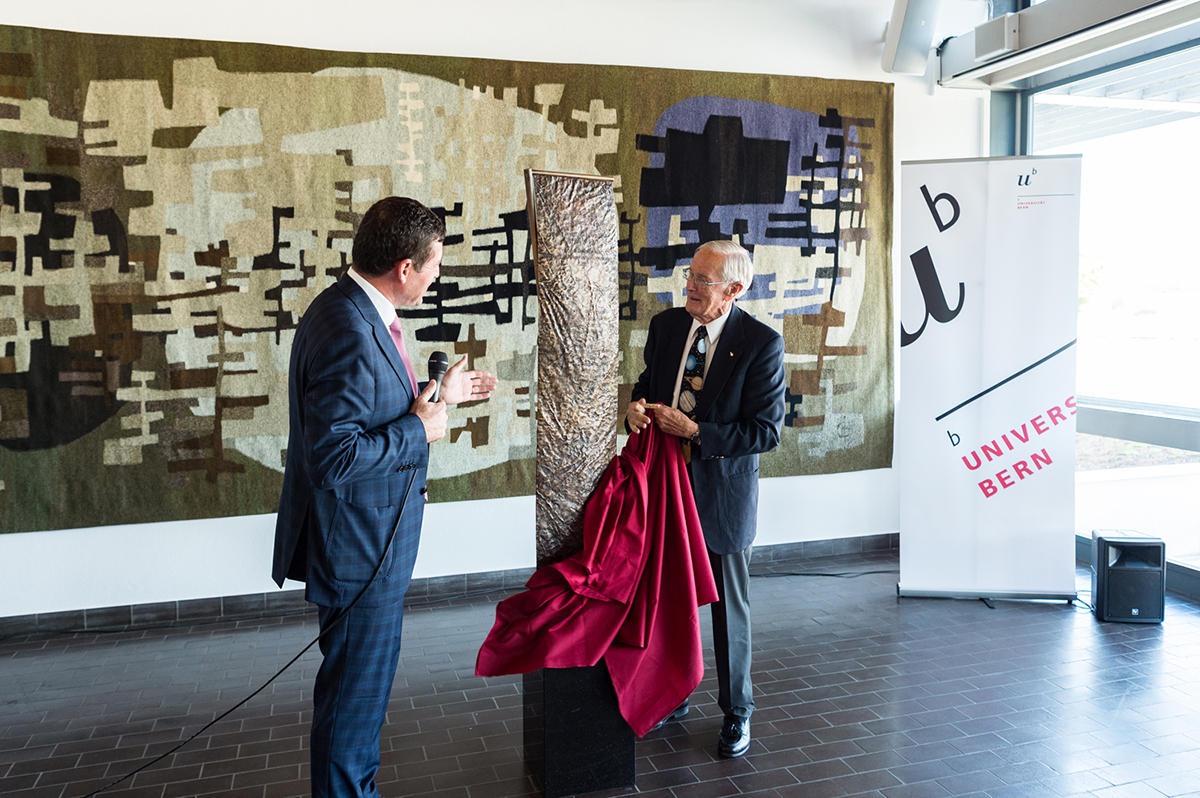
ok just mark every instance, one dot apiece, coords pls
pixel 1010 378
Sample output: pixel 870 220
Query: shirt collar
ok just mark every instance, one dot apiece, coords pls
pixel 714 327
pixel 386 312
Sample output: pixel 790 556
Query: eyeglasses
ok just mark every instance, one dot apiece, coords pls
pixel 690 276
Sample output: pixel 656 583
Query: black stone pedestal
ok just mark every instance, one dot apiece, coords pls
pixel 575 738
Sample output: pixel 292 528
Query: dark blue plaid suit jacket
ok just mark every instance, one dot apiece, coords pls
pixel 352 448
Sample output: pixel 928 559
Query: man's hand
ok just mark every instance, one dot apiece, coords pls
pixel 637 416
pixel 432 414
pixel 466 386
pixel 673 422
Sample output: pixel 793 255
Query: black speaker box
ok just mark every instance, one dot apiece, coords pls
pixel 1129 576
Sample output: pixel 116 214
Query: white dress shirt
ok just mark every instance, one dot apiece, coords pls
pixel 713 329
pixel 386 310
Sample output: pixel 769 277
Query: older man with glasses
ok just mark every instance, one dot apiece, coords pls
pixel 714 379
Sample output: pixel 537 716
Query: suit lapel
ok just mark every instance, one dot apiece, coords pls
pixel 383 336
pixel 725 357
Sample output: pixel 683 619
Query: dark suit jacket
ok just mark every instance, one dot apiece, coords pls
pixel 352 448
pixel 740 414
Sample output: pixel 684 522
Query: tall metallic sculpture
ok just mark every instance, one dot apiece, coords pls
pixel 573 227
pixel 576 740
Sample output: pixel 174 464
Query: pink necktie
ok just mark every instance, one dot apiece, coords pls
pixel 398 337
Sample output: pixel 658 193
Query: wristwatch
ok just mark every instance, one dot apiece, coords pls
pixel 696 437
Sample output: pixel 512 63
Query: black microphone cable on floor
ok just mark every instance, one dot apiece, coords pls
pixel 332 624
pixel 437 368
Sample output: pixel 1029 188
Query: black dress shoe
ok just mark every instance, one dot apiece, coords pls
pixel 735 737
pixel 677 714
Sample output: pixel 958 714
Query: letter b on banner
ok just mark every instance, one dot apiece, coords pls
pixel 937 217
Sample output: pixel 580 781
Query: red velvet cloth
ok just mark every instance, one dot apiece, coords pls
pixel 632 595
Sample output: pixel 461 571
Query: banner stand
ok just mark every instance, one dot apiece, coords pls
pixel 986 595
pixel 986 432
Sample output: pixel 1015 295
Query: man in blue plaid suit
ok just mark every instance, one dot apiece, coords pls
pixel 358 449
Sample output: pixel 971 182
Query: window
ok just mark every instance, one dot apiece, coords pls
pixel 1139 315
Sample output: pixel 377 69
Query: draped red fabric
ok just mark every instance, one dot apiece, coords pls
pixel 632 596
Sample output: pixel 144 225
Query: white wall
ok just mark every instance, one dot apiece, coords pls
pixel 133 564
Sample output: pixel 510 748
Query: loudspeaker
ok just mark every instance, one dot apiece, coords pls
pixel 1129 576
pixel 997 36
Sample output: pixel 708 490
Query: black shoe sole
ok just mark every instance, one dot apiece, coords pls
pixel 727 754
pixel 678 714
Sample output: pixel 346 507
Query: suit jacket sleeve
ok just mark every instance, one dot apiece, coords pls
pixel 641 388
pixel 759 407
pixel 345 438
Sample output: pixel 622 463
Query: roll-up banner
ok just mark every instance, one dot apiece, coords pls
pixel 989 296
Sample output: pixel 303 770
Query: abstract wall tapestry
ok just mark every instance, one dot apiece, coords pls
pixel 169 207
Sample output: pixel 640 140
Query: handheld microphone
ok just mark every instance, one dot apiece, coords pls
pixel 437 369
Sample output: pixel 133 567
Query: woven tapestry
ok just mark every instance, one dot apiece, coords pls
pixel 170 207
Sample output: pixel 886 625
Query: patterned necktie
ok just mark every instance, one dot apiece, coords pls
pixel 693 374
pixel 398 338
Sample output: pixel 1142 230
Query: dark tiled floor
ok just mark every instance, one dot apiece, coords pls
pixel 859 693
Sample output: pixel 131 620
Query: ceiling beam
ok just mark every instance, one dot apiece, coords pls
pixel 1059 32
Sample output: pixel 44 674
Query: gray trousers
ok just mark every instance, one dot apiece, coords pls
pixel 731 631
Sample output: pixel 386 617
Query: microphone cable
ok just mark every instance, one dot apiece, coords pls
pixel 437 370
pixel 332 624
